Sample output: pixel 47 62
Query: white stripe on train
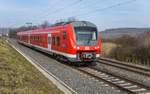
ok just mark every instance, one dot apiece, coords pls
pixel 54 51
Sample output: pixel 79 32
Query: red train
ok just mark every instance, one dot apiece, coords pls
pixel 76 41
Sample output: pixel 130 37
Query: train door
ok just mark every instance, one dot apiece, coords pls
pixel 29 35
pixel 49 40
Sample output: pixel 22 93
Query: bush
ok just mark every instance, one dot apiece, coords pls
pixel 126 40
pixel 131 49
pixel 121 53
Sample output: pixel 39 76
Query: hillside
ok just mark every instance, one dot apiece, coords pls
pixel 115 33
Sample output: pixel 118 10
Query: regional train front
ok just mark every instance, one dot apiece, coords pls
pixel 87 41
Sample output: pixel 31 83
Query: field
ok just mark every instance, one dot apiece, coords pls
pixel 107 47
pixel 129 49
pixel 18 76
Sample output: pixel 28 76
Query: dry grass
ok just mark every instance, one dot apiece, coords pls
pixel 107 48
pixel 18 76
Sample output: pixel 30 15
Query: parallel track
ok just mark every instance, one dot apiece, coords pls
pixel 125 66
pixel 121 83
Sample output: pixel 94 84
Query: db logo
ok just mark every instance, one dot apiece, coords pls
pixel 87 48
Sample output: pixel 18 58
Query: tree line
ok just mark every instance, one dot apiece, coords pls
pixel 132 49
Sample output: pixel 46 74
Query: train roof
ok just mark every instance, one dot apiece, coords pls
pixel 83 23
pixel 76 23
pixel 73 23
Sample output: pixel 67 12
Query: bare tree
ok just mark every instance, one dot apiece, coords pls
pixel 45 24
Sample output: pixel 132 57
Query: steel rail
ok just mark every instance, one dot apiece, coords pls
pixel 111 83
pixel 125 66
pixel 108 82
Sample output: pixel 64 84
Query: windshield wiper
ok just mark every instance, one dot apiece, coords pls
pixel 88 41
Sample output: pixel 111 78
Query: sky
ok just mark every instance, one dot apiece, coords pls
pixel 15 13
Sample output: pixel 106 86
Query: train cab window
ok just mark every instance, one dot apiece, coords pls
pixel 64 34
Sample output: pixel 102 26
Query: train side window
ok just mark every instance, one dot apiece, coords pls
pixel 64 34
pixel 30 38
pixel 57 41
pixel 53 40
pixel 49 40
pixel 38 38
pixel 34 38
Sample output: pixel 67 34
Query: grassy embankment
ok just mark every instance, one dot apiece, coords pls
pixel 18 76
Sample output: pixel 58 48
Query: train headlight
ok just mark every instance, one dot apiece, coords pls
pixel 78 48
pixel 74 46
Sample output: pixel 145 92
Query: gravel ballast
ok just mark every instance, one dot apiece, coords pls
pixel 124 73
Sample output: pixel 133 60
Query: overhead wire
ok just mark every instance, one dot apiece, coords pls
pixel 85 6
pixel 106 8
pixel 51 5
pixel 90 12
pixel 63 8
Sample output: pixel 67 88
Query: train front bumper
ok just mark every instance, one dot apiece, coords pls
pixel 97 57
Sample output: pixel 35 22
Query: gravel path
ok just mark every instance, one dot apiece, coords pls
pixel 80 82
pixel 124 73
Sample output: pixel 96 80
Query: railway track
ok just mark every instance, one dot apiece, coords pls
pixel 129 67
pixel 117 82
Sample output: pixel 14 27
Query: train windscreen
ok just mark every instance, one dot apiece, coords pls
pixel 86 36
